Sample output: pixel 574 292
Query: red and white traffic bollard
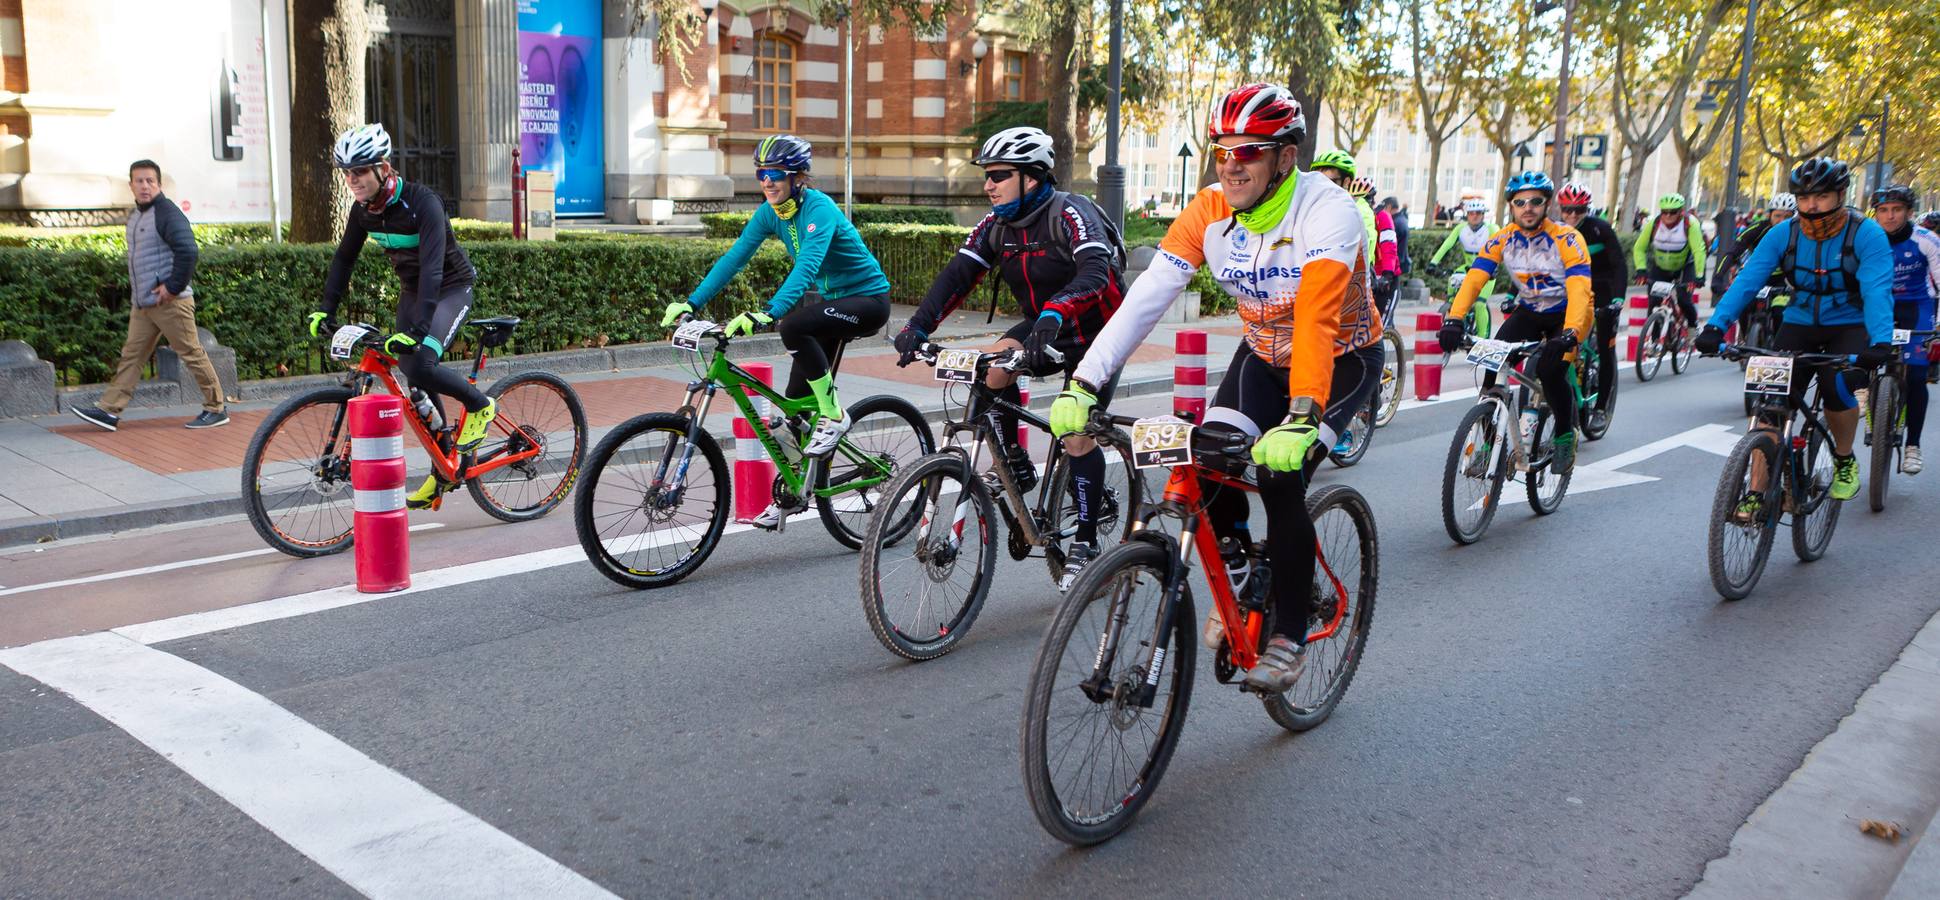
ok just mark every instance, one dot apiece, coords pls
pixel 381 527
pixel 1024 400
pixel 1639 313
pixel 754 472
pixel 1428 356
pixel 1189 375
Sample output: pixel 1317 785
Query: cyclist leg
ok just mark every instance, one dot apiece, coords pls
pixel 1524 324
pixel 1915 317
pixel 1608 314
pixel 1251 397
pixel 1836 392
pixel 440 319
pixel 811 333
pixel 1088 465
pixel 1552 372
pixel 1686 297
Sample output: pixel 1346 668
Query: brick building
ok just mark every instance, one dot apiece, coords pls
pixel 88 85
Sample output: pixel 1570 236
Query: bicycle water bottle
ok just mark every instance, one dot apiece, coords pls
pixel 1238 566
pixel 427 410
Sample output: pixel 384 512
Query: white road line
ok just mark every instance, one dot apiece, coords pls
pixel 163 567
pixel 383 834
pixel 1443 397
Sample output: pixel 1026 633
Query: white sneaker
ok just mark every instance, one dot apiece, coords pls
pixel 771 518
pixel 1910 461
pixel 828 432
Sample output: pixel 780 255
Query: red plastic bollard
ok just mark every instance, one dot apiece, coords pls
pixel 754 472
pixel 1428 356
pixel 381 527
pixel 1189 375
pixel 1024 400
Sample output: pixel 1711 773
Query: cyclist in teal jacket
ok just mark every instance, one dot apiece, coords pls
pixel 835 293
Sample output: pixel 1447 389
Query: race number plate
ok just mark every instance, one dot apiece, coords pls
pixel 345 340
pixel 1768 375
pixel 956 365
pixel 1161 441
pixel 1488 355
pixel 688 336
pixel 1902 337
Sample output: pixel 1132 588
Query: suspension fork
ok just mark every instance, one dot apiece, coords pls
pixel 696 421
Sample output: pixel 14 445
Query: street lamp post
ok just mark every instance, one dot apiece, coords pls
pixel 1558 164
pixel 978 51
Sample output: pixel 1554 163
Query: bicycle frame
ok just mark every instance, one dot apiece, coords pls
pixel 451 466
pixel 1786 473
pixel 1508 400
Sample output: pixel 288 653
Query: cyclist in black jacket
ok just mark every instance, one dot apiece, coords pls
pixel 1062 262
pixel 1608 276
pixel 408 221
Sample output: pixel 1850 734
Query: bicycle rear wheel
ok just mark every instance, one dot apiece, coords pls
pixel 1394 380
pixel 1595 420
pixel 1347 572
pixel 653 505
pixel 1815 513
pixel 1544 487
pixel 1093 751
pixel 1650 344
pixel 920 598
pixel 1686 351
pixel 535 410
pixel 1740 543
pixel 1470 492
pixel 296 475
pixel 884 432
pixel 1884 412
pixel 1353 445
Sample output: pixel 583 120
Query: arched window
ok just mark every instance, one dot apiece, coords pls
pixel 774 82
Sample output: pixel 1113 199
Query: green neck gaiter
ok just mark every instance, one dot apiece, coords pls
pixel 1266 214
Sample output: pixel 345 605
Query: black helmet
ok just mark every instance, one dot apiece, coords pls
pixel 1930 221
pixel 1821 174
pixel 1895 193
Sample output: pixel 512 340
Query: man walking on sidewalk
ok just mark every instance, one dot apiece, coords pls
pixel 161 261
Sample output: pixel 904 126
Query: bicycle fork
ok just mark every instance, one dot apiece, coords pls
pixel 670 476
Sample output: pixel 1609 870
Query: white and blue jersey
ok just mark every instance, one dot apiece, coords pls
pixel 1916 282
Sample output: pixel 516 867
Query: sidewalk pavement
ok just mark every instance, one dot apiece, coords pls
pixel 61 477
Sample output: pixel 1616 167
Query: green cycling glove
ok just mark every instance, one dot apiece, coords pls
pixel 749 323
pixel 1285 448
pixel 1071 411
pixel 399 344
pixel 316 321
pixel 674 312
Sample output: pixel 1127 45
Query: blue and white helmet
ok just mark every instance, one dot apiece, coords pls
pixel 1530 181
pixel 364 145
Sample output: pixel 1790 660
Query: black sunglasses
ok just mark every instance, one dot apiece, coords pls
pixel 1576 210
pixel 998 176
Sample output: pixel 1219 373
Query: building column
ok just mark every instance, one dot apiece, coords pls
pixel 488 111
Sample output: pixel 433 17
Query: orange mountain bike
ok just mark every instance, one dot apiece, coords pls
pixel 1108 694
pixel 296 474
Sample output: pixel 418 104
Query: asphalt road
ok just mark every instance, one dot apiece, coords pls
pixel 1564 709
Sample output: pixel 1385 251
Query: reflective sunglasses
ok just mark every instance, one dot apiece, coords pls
pixel 1528 202
pixel 359 171
pixel 1244 153
pixel 772 174
pixel 1576 210
pixel 999 176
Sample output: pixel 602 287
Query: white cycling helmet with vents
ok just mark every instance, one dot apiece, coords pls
pixel 364 145
pixel 1024 147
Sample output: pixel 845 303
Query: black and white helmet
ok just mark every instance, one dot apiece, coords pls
pixel 361 146
pixel 1024 147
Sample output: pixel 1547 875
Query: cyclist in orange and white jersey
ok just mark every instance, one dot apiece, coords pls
pixel 1291 248
pixel 1549 263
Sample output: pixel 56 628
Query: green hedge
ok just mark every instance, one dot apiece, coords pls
pixel 729 224
pixel 109 238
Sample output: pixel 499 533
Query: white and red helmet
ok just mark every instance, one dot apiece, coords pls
pixel 1259 110
pixel 1573 194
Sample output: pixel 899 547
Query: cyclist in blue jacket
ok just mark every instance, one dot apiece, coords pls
pixel 1916 280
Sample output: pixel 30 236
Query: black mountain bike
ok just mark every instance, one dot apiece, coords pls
pixel 922 594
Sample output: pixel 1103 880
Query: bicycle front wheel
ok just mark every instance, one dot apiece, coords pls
pixel 1394 380
pixel 536 411
pixel 1686 350
pixel 1650 344
pixel 1472 481
pixel 1096 737
pixel 654 503
pixel 1743 521
pixel 1347 569
pixel 1885 414
pixel 921 597
pixel 1815 514
pixel 1544 487
pixel 884 432
pixel 296 475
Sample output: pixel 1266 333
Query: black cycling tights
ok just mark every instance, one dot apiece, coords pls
pixel 814 330
pixel 1552 369
pixel 439 322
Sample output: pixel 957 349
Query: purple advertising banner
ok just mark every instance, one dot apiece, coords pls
pixel 559 100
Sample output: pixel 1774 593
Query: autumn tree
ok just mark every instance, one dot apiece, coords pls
pixel 1655 48
pixel 327 44
pixel 1448 56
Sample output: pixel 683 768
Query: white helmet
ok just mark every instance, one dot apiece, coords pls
pixel 1475 205
pixel 1023 147
pixel 1785 201
pixel 361 146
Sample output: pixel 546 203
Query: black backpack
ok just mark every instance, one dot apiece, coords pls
pixel 1848 257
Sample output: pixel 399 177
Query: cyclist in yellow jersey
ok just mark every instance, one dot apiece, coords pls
pixel 1549 263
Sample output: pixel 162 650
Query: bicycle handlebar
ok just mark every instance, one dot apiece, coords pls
pixel 1236 445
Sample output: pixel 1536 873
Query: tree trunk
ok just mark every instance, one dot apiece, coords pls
pixel 1633 178
pixel 1310 96
pixel 1434 174
pixel 1502 184
pixel 328 40
pixel 1062 100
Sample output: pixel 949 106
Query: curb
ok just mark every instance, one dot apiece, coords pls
pixel 167 512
